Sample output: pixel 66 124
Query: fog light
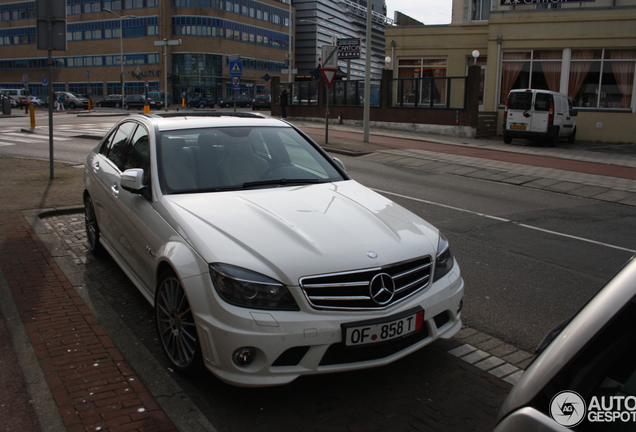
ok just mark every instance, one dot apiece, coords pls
pixel 461 305
pixel 244 356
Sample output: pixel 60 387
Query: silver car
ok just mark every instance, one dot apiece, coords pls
pixel 585 377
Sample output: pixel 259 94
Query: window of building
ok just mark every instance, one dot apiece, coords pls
pixel 538 69
pixel 480 10
pixel 602 78
pixel 423 81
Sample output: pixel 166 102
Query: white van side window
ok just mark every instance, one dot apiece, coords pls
pixel 542 102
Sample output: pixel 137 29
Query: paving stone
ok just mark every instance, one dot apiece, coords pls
pixel 462 350
pixel 503 370
pixel 588 191
pixel 465 332
pixel 517 356
pixel 503 350
pixel 514 378
pixel 489 363
pixel 475 356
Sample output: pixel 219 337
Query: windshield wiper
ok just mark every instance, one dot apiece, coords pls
pixel 282 182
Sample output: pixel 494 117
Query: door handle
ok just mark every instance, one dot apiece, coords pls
pixel 96 165
pixel 115 190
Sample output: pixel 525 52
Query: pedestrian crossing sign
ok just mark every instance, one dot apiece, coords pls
pixel 236 68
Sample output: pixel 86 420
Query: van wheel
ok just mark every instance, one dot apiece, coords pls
pixel 507 139
pixel 572 136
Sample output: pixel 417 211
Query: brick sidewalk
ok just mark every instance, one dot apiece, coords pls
pixel 92 384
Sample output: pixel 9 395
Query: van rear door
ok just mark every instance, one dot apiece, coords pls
pixel 519 111
pixel 542 104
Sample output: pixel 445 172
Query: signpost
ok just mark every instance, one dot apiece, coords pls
pixel 164 43
pixel 236 71
pixel 328 70
pixel 51 35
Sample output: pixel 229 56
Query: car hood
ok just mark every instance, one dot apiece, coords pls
pixel 290 232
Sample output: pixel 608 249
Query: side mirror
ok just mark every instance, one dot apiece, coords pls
pixel 340 164
pixel 573 113
pixel 132 180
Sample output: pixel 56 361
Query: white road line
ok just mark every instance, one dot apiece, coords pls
pixel 2 143
pixel 522 225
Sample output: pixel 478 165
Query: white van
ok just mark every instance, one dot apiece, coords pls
pixel 21 96
pixel 540 114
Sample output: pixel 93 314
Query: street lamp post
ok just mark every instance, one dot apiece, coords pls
pixel 121 44
pixel 164 43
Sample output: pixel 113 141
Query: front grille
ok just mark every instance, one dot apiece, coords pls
pixel 341 354
pixel 291 357
pixel 351 290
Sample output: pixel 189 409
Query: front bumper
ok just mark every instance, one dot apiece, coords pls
pixel 290 344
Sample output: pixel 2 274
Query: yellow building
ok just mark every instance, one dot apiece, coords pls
pixel 586 50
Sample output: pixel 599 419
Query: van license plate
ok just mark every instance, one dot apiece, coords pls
pixel 521 127
pixel 369 332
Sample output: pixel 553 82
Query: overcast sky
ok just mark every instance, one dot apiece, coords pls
pixel 426 11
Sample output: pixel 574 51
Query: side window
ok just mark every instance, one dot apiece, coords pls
pixel 542 102
pixel 115 147
pixel 139 153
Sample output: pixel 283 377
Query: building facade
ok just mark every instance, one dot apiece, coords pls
pixel 323 22
pixel 584 49
pixel 211 33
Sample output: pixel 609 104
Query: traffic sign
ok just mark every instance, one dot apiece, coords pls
pixel 349 49
pixel 328 75
pixel 329 57
pixel 236 68
pixel 236 82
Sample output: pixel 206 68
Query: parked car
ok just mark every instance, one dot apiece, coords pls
pixel 37 101
pixel 242 101
pixel 262 101
pixel 71 100
pixel 263 259
pixel 20 96
pixel 139 101
pixel 585 377
pixel 113 100
pixel 539 114
pixel 160 96
pixel 201 101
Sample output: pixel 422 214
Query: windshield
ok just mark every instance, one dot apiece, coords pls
pixel 520 100
pixel 221 159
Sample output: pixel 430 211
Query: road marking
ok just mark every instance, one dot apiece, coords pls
pixel 2 143
pixel 522 225
pixel 30 138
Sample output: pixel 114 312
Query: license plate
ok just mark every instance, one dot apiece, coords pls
pixel 522 127
pixel 374 331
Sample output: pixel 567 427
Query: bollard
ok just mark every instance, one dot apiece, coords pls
pixel 89 104
pixel 146 109
pixel 32 114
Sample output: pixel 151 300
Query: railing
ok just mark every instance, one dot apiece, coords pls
pixel 430 93
pixel 351 93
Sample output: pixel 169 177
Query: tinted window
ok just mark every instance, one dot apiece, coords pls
pixel 542 102
pixel 114 148
pixel 138 153
pixel 605 367
pixel 520 100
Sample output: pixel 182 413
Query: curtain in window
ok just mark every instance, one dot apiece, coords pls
pixel 551 69
pixel 579 70
pixel 511 71
pixel 624 74
pixel 440 84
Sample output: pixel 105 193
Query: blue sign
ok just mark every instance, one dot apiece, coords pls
pixel 45 81
pixel 236 68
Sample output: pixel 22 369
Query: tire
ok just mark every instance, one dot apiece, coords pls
pixel 554 140
pixel 175 324
pixel 248 105
pixel 71 105
pixel 126 106
pixel 92 229
pixel 99 105
pixel 507 139
pixel 117 105
pixel 227 105
pixel 572 136
pixel 201 105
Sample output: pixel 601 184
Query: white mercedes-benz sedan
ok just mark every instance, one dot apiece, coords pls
pixel 263 259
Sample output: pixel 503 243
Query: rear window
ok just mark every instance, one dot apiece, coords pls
pixel 542 102
pixel 520 101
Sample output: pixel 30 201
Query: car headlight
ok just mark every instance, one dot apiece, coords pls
pixel 444 259
pixel 245 288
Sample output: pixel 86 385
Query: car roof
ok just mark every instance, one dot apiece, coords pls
pixel 178 121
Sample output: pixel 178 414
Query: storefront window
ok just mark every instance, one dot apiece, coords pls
pixel 602 78
pixel 531 69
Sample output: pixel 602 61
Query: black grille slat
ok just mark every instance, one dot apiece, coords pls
pixel 350 290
